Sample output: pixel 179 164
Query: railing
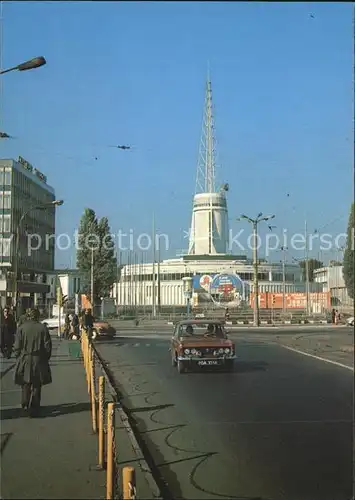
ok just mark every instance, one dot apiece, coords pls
pixel 103 414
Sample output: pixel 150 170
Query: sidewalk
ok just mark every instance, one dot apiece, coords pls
pixel 50 457
pixel 54 456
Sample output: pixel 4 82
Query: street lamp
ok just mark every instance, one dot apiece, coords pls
pixel 44 206
pixel 36 62
pixel 284 250
pixel 254 223
pixel 187 283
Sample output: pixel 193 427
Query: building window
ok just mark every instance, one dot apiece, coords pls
pixel 5 247
pixel 5 200
pixel 5 223
pixel 5 177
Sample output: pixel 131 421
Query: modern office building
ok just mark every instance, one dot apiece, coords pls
pixel 22 189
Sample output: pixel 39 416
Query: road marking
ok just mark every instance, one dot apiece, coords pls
pixel 317 357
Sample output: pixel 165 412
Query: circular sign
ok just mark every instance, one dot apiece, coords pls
pixel 227 289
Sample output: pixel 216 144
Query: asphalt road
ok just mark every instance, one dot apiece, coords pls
pixel 279 427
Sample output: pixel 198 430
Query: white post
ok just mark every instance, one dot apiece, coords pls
pixel 154 312
pixel 77 304
pixel 59 323
pixel 92 280
pixel 307 269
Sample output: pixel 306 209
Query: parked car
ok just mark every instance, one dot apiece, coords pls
pixel 53 323
pixel 103 329
pixel 201 343
pixel 350 321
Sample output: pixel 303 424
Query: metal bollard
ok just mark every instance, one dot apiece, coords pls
pixel 93 392
pixel 89 365
pixel 110 466
pixel 129 483
pixel 101 422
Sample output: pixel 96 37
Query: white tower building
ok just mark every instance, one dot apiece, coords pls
pixel 209 232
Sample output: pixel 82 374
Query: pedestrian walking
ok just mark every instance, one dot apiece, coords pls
pixel 74 327
pixel 227 315
pixel 8 331
pixel 88 322
pixel 333 316
pixel 33 350
pixel 67 326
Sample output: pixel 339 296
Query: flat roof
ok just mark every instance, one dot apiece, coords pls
pixel 7 162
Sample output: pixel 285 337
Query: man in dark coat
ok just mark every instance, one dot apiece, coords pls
pixel 33 349
pixel 8 331
pixel 88 322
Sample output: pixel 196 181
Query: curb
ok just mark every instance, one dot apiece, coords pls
pixel 145 469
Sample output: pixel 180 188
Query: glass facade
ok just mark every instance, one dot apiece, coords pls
pixel 20 191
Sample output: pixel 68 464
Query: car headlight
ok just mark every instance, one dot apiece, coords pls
pixel 221 350
pixel 227 350
pixel 187 351
pixel 198 353
pixel 193 351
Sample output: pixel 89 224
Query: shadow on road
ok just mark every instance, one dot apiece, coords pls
pixel 150 408
pixel 47 411
pixel 5 438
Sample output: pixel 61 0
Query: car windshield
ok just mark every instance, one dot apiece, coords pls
pixel 202 330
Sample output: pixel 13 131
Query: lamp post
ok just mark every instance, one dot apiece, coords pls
pixel 44 206
pixel 254 223
pixel 187 284
pixel 284 250
pixel 36 62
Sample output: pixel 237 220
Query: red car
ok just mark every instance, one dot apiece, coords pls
pixel 201 343
pixel 103 329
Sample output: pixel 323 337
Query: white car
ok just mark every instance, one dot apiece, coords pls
pixel 54 322
pixel 350 321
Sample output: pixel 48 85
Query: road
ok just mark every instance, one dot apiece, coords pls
pixel 279 427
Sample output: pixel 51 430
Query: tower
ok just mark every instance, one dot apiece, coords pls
pixel 209 225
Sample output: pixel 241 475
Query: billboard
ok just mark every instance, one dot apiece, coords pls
pixel 292 300
pixel 225 289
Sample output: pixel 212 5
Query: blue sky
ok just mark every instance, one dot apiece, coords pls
pixel 134 73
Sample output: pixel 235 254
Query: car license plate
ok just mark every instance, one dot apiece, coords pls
pixel 207 362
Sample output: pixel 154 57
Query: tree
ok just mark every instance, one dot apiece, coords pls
pixel 335 263
pixel 348 269
pixel 313 264
pixel 95 237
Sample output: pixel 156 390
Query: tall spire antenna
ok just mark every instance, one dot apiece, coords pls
pixel 205 179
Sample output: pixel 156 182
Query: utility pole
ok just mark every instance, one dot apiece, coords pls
pixel 254 223
pixel 92 280
pixel 154 312
pixel 159 296
pixel 306 268
pixel 118 261
pixel 255 271
pixel 284 250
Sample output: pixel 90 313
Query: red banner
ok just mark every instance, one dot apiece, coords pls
pixel 292 300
